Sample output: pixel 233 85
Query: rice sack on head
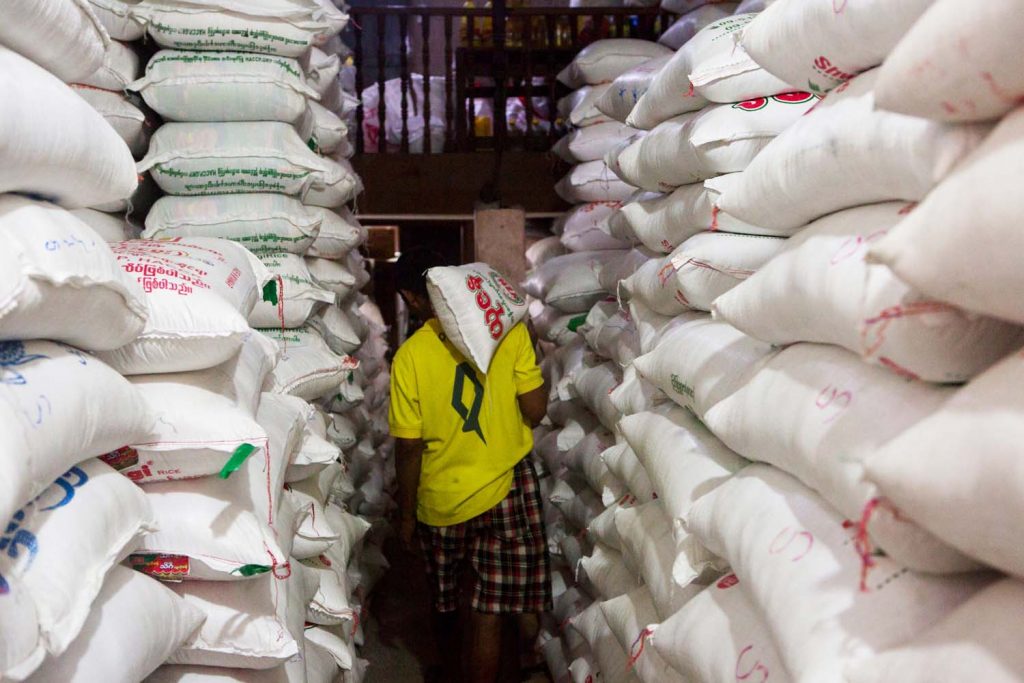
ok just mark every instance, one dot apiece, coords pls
pixel 477 306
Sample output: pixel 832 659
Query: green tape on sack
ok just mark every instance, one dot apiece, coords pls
pixel 270 292
pixel 576 322
pixel 248 570
pixel 236 459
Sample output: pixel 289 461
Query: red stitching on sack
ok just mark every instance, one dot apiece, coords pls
pixel 634 656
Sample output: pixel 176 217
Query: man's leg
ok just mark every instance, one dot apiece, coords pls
pixel 448 637
pixel 485 647
pixel 529 627
pixel 512 569
pixel 444 550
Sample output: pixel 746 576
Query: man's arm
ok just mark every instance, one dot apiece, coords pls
pixel 534 405
pixel 408 459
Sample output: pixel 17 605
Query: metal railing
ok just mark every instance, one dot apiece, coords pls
pixel 488 58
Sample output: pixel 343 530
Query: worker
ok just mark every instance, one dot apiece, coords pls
pixel 466 486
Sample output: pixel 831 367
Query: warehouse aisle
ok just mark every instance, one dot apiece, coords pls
pixel 399 645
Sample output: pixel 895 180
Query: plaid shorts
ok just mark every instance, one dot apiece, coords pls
pixel 507 550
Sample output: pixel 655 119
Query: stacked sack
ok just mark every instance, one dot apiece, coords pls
pixel 778 489
pixel 68 609
pixel 213 471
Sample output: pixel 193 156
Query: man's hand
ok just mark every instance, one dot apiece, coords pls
pixel 408 459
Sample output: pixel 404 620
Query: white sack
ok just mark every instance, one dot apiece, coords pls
pixel 818 413
pixel 719 637
pixel 954 472
pixel 224 86
pixel 259 222
pixel 820 45
pixel 820 289
pixel 970 267
pixel 977 81
pixel 199 291
pixel 797 562
pixel 702 362
pixel 58 406
pixel 592 181
pixel 297 293
pixel 477 308
pixel 278 28
pixel 62 36
pixel 264 156
pixel 719 139
pixel 133 628
pixel 978 639
pixel 55 145
pixel 62 282
pixel 846 153
pixel 627 88
pixel 603 60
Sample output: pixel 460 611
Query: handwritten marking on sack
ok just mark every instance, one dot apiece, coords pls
pixel 20 544
pixel 795 543
pixel 745 669
pixel 69 242
pixel 855 245
pixel 13 354
pixel 833 401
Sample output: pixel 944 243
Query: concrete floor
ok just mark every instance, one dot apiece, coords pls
pixel 399 644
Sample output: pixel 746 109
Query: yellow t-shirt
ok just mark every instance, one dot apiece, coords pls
pixel 470 423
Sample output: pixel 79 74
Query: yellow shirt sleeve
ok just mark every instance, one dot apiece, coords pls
pixel 527 372
pixel 404 417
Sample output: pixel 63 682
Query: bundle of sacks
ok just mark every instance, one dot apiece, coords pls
pixel 757 452
pixel 156 436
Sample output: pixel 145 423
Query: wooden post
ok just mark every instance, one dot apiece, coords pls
pixel 499 239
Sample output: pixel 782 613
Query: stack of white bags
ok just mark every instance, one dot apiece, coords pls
pixel 189 499
pixel 784 451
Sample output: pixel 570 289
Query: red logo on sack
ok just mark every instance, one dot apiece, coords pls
pixel 160 565
pixel 492 314
pixel 824 66
pixel 794 97
pixel 759 103
pixel 728 582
